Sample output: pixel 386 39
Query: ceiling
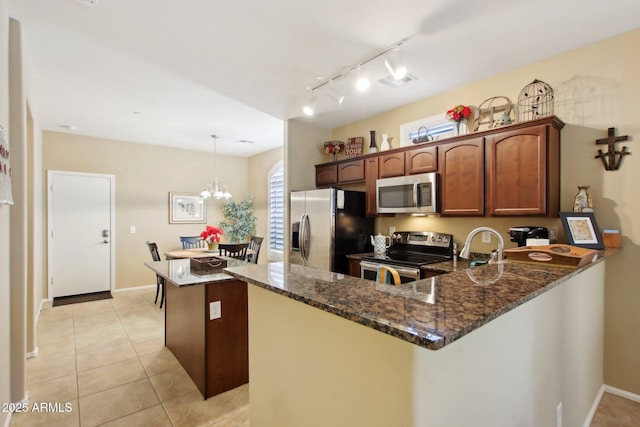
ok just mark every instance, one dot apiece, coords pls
pixel 174 72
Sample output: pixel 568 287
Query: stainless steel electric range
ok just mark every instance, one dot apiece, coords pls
pixel 409 252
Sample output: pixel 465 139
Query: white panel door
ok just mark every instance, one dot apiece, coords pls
pixel 80 228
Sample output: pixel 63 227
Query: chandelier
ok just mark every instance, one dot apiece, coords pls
pixel 215 190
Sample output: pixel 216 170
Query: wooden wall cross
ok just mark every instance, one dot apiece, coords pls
pixel 612 158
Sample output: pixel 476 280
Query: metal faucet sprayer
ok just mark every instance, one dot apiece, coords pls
pixel 466 250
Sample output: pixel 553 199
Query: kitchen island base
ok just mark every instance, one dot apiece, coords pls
pixel 212 349
pixel 312 368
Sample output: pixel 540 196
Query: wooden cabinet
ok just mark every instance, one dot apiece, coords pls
pixel 461 168
pixel 391 164
pixel 326 175
pixel 370 175
pixel 509 171
pixel 214 352
pixel 354 267
pixel 421 160
pixel 523 171
pixel 351 171
pixel 340 172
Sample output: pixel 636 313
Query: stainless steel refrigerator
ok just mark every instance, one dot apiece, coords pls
pixel 326 226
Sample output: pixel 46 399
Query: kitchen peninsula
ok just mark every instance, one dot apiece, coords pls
pixel 497 345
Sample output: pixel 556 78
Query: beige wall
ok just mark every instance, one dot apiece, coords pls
pixel 259 167
pixel 5 304
pixel 145 174
pixel 596 87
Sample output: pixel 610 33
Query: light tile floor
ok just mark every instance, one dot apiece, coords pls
pixel 106 360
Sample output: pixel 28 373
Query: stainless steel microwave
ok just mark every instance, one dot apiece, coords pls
pixel 408 194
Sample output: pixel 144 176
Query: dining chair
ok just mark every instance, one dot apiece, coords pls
pixel 190 242
pixel 254 246
pixel 153 248
pixel 234 250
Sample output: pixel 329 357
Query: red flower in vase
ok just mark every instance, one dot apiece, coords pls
pixel 211 234
pixel 458 113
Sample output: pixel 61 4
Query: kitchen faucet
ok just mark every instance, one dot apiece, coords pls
pixel 466 250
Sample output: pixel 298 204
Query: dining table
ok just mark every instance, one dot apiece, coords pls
pixel 195 253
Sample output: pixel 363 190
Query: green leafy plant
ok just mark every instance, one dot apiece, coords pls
pixel 239 222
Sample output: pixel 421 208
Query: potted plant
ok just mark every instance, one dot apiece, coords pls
pixel 211 235
pixel 239 222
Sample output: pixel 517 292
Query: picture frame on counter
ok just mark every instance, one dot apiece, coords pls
pixel 187 208
pixel 582 229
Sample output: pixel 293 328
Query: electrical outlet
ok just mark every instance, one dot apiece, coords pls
pixel 486 237
pixel 559 415
pixel 215 310
pixel 132 229
pixel 392 230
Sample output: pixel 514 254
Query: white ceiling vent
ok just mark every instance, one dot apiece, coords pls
pixel 245 141
pixel 88 2
pixel 390 81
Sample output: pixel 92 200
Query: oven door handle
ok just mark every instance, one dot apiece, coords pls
pixel 414 272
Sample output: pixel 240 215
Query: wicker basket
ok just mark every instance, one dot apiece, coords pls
pixel 208 265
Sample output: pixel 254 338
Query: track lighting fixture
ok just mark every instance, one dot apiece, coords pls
pixel 392 63
pixel 334 94
pixel 310 107
pixel 215 190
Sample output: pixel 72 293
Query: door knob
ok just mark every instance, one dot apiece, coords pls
pixel 105 241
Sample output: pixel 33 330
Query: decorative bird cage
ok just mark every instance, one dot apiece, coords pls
pixel 535 101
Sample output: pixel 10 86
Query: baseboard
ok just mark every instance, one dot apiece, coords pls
pixel 135 288
pixel 594 406
pixel 612 390
pixel 622 393
pixel 34 353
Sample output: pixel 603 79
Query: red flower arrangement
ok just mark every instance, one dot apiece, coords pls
pixel 333 147
pixel 458 113
pixel 211 234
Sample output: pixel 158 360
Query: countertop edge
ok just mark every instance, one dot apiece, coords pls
pixel 435 341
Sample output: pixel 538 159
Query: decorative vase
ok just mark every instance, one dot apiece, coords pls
pixel 334 157
pixel 385 142
pixel 373 148
pixel 213 246
pixel 583 201
pixel 461 127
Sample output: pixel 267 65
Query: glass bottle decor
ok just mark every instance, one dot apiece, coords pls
pixel 385 143
pixel 373 148
pixel 583 201
pixel 461 127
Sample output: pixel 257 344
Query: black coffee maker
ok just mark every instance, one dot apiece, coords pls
pixel 522 233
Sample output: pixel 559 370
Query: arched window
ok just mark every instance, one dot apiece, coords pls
pixel 276 212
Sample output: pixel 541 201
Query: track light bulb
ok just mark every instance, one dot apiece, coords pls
pixel 363 84
pixel 309 108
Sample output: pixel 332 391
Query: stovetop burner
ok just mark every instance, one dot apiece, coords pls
pixel 415 249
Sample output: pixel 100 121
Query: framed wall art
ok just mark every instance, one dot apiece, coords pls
pixel 582 230
pixel 187 208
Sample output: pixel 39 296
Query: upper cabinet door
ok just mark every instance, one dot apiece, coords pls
pixel 462 177
pixel 421 160
pixel 523 172
pixel 391 165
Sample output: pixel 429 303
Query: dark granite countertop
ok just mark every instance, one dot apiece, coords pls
pixel 431 312
pixel 178 271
